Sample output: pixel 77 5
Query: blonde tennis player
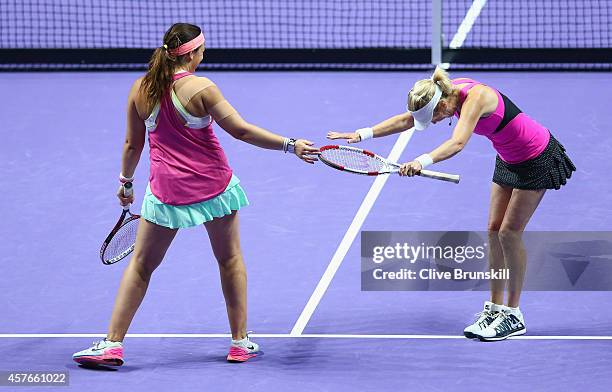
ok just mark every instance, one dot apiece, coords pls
pixel 529 161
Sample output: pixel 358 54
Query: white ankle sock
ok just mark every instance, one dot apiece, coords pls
pixel 240 341
pixel 513 310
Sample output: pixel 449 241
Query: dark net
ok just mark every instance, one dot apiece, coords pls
pixel 529 34
pixel 535 24
pixel 263 24
pixel 297 34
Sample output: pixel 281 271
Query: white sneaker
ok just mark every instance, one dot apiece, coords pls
pixel 483 319
pixel 242 350
pixel 509 322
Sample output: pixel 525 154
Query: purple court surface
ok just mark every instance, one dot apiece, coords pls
pixel 61 138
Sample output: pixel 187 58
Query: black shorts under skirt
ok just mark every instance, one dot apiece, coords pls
pixel 549 170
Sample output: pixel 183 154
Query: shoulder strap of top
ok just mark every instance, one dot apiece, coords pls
pixel 469 84
pixel 191 120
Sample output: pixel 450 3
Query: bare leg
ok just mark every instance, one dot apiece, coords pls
pixel 224 237
pixel 152 242
pixel 523 204
pixel 500 197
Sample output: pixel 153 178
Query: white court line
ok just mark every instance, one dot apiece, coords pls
pixel 285 336
pixel 466 26
pixel 349 236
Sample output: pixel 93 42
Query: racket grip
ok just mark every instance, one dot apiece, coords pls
pixel 127 192
pixel 127 189
pixel 440 176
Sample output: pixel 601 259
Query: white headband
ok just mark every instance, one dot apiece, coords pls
pixel 423 116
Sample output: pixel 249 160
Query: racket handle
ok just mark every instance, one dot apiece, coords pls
pixel 127 189
pixel 440 176
pixel 127 192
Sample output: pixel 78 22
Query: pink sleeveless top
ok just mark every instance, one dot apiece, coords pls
pixel 188 165
pixel 515 136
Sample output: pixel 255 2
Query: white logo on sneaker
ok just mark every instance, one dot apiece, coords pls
pixel 508 323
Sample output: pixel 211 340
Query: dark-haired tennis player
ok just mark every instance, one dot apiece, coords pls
pixel 529 161
pixel 190 183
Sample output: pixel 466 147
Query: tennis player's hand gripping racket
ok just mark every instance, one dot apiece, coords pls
pixel 360 161
pixel 120 241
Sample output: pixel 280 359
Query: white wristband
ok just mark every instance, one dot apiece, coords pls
pixel 425 160
pixel 124 179
pixel 365 133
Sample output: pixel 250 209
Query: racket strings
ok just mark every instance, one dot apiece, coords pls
pixel 122 242
pixel 354 160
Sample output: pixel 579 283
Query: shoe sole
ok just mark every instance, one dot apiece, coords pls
pixel 470 335
pixel 496 339
pixel 237 354
pixel 240 359
pixel 90 361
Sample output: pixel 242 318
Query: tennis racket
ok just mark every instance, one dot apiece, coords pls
pixel 359 161
pixel 120 241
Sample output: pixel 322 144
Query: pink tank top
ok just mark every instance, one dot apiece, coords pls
pixel 515 136
pixel 188 165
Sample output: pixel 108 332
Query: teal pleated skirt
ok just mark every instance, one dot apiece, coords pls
pixel 178 217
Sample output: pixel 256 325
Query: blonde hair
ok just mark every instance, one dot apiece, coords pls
pixel 424 89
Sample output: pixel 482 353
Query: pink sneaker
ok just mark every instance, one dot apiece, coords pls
pixel 103 352
pixel 242 350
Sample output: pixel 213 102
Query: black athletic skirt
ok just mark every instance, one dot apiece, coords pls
pixel 549 170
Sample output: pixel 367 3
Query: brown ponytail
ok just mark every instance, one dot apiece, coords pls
pixel 162 64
